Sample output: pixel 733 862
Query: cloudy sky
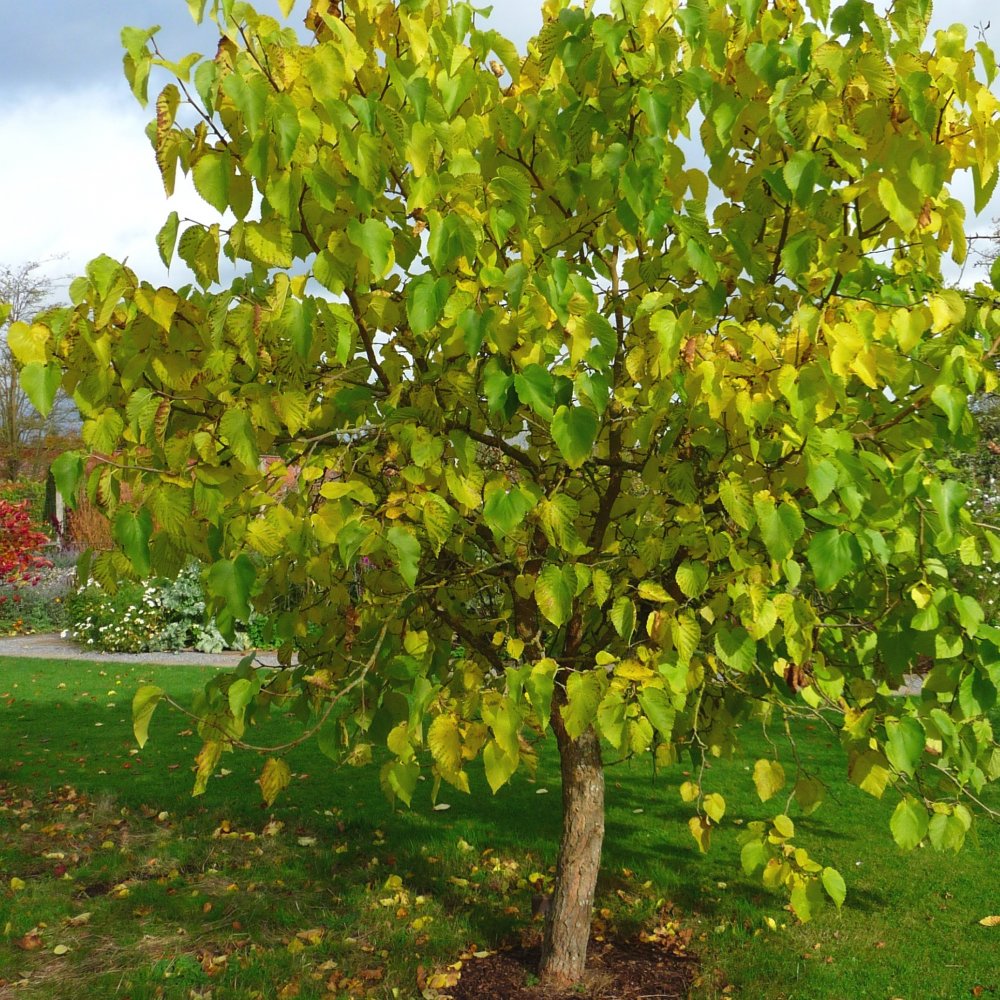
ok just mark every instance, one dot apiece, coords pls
pixel 77 174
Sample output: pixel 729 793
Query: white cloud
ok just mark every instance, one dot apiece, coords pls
pixel 80 179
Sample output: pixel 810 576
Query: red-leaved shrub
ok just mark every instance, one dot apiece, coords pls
pixel 19 545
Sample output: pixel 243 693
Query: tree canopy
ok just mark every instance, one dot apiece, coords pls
pixel 603 388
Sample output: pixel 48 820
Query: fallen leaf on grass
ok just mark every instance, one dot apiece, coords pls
pixel 17 884
pixel 60 949
pixel 991 921
pixel 312 936
pixel 31 941
pixel 79 920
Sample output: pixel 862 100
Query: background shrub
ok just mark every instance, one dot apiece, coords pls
pixel 158 616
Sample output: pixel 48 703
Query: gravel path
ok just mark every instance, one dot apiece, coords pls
pixel 50 646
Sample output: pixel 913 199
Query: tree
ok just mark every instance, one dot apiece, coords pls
pixel 22 430
pixel 606 391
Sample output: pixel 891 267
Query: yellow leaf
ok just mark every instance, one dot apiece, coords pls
pixel 992 921
pixel 17 884
pixel 515 647
pixel 701 830
pixel 274 779
pixel 714 806
pixel 769 777
pixel 312 936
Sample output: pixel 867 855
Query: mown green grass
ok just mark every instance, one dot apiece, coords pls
pixel 211 900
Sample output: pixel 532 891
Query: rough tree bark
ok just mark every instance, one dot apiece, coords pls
pixel 567 929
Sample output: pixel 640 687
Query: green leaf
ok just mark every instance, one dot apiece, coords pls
pixel 900 213
pixel 905 745
pixel 809 794
pixel 736 499
pixel 753 856
pixel 166 238
pixel 835 886
pixel 692 578
pixel 540 685
pixel 249 94
pixel 284 120
pixel 801 173
pixel 439 519
pixel 611 718
pixel 650 590
pixel 869 772
pixel 781 526
pixel 211 178
pixel 374 239
pixel 736 648
pixel 408 552
pixel 622 616
pixel 499 765
pixel 67 470
pixel 557 516
pixel 686 634
pixel 132 532
pixel 948 498
pixel 833 554
pixel 574 430
pixel 583 695
pixel 806 899
pixel 143 705
pixel 40 384
pixel 104 432
pixel 400 778
pixel 504 510
pixel 535 387
pixel 241 692
pixel 947 831
pixel 232 580
pixel 656 706
pixel 268 243
pixel 555 589
pixel 425 301
pixel 909 823
pixel 822 479
pixel 953 402
pixel 237 430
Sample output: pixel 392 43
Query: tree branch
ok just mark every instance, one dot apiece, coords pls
pixel 366 339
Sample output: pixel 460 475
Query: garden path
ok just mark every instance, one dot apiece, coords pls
pixel 51 646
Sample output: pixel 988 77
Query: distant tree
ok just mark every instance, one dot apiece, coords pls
pixel 24 432
pixel 591 438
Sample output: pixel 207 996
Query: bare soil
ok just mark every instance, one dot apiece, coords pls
pixel 616 970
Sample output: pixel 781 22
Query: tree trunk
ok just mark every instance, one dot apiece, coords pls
pixel 567 928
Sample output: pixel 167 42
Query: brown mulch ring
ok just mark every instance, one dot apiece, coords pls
pixel 616 970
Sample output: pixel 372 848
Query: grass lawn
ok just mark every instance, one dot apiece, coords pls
pixel 133 889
